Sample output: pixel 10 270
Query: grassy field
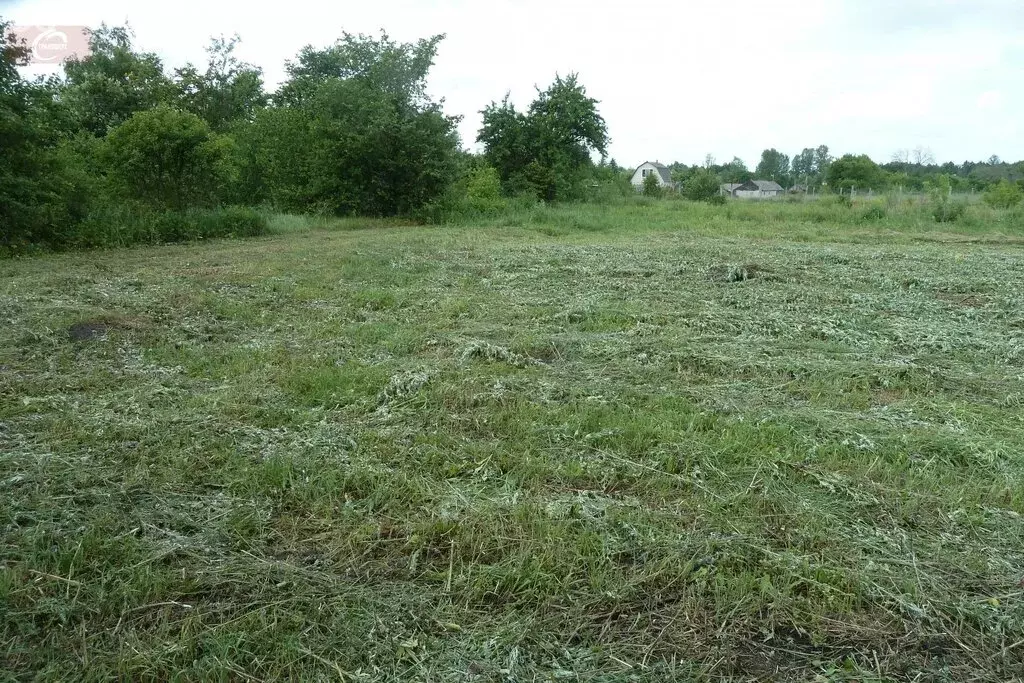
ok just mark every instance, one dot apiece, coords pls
pixel 655 443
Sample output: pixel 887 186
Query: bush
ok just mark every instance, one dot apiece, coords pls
pixel 701 186
pixel 483 191
pixel 944 208
pixel 167 158
pixel 875 212
pixel 855 171
pixel 717 200
pixel 948 211
pixel 651 187
pixel 474 195
pixel 1003 195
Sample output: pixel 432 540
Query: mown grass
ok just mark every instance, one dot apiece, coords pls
pixel 673 446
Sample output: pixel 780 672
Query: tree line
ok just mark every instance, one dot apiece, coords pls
pixel 117 141
pixel 118 149
pixel 815 169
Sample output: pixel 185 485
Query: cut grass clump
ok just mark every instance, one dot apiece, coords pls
pixel 486 351
pixel 404 384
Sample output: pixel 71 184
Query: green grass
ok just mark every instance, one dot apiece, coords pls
pixel 892 218
pixel 642 443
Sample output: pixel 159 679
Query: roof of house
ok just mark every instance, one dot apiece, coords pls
pixel 768 185
pixel 663 171
pixel 729 187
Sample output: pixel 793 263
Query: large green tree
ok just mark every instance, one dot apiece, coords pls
pixel 803 164
pixel 167 158
pixel 228 91
pixel 509 144
pixel 736 171
pixel 39 199
pixel 855 171
pixel 811 165
pixel 104 88
pixel 353 132
pixel 20 191
pixel 822 160
pixel 547 149
pixel 702 185
pixel 387 66
pixel 774 165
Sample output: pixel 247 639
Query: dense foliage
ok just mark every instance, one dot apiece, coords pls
pixel 119 140
pixel 1003 195
pixel 774 165
pixel 166 158
pixel 545 151
pixel 651 187
pixel 855 171
pixel 701 186
pixel 36 199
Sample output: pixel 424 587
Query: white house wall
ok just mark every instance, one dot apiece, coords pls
pixel 638 178
pixel 756 194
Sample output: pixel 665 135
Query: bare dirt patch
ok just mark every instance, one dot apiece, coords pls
pixel 98 328
pixel 749 271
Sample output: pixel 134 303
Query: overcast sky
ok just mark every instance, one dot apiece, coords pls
pixel 677 79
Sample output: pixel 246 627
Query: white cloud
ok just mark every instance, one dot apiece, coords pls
pixel 990 99
pixel 676 79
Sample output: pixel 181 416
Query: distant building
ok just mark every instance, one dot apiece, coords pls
pixel 660 171
pixel 753 189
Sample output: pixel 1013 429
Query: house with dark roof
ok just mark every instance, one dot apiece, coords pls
pixel 660 171
pixel 754 189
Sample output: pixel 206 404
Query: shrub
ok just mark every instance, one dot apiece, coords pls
pixel 701 186
pixel 475 194
pixel 948 210
pixel 717 200
pixel 1003 195
pixel 853 171
pixel 875 212
pixel 483 191
pixel 167 158
pixel 651 187
pixel 944 208
pixel 1016 217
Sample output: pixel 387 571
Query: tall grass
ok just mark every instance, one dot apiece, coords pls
pixel 125 225
pixel 828 215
